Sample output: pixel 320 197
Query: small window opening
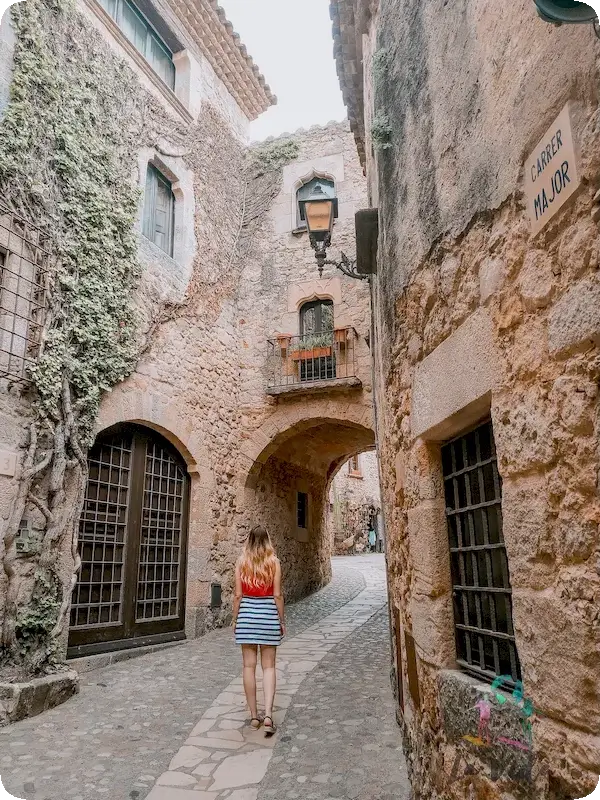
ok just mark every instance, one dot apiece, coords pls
pixel 354 467
pixel 302 510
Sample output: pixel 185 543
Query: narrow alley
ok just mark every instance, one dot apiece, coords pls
pixel 172 725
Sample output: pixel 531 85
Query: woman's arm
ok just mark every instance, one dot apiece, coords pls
pixel 277 594
pixel 237 598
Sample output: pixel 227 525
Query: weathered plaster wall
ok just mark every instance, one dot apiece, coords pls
pixel 474 317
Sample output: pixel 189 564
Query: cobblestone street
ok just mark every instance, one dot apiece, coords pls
pixel 172 725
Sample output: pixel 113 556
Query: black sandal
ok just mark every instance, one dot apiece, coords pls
pixel 269 729
pixel 253 720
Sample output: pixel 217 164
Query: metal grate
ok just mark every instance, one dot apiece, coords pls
pixel 98 596
pixel 482 592
pixel 160 544
pixel 325 356
pixel 24 265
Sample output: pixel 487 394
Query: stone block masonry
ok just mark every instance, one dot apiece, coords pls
pixel 205 315
pixel 478 320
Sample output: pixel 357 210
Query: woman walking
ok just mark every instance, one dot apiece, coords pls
pixel 258 619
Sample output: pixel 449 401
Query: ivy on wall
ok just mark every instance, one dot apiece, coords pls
pixel 68 141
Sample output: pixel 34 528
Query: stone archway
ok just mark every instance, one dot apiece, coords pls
pixel 288 464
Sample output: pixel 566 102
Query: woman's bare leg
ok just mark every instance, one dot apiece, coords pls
pixel 267 660
pixel 249 655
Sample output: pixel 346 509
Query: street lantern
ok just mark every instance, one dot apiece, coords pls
pixel 319 210
pixel 569 11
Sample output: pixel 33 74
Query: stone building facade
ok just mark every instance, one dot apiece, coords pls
pixel 252 378
pixel 355 505
pixel 486 350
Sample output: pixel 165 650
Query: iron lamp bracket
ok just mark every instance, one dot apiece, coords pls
pixel 345 265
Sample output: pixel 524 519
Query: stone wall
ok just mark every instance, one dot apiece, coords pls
pixel 476 318
pixel 354 499
pixel 238 276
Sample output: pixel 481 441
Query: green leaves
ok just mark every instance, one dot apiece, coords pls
pixel 66 146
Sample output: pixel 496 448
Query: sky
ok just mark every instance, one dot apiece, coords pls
pixel 291 42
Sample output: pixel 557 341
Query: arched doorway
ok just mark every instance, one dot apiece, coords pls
pixel 132 542
pixel 287 487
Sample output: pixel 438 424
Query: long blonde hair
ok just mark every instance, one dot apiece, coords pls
pixel 258 561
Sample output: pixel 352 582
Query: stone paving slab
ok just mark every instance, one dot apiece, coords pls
pixel 248 753
pixel 340 738
pixel 120 734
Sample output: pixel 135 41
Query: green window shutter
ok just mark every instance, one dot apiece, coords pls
pixel 159 210
pixel 149 203
pixel 141 34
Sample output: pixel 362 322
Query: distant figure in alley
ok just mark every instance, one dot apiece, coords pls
pixel 372 540
pixel 258 618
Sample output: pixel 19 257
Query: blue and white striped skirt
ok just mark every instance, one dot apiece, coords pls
pixel 258 622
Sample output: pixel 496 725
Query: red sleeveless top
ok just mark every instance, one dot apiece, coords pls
pixel 256 591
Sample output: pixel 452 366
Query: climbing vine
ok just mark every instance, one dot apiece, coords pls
pixel 381 132
pixel 68 140
pixel 272 156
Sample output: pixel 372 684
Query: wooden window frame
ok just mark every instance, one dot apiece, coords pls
pixel 317 305
pixel 115 10
pixel 153 177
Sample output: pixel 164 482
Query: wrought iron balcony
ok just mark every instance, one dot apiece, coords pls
pixel 312 361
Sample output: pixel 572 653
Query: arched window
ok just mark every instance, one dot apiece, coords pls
pixel 306 190
pixel 316 317
pixel 316 341
pixel 132 543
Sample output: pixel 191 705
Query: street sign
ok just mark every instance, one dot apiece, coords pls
pixel 551 175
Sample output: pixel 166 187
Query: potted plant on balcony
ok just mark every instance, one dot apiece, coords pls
pixel 317 345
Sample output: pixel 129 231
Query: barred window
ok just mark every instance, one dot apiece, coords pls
pixel 482 592
pixel 24 260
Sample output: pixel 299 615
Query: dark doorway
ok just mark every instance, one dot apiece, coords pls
pixel 132 542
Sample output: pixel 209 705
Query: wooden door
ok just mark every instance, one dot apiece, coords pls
pixel 132 542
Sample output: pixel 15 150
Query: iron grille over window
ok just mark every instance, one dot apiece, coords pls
pixel 24 264
pixel 302 510
pixel 159 210
pixel 143 37
pixel 481 584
